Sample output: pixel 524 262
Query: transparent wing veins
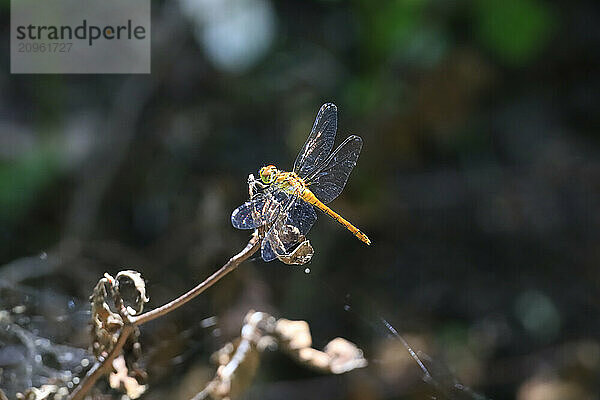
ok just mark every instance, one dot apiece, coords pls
pixel 328 182
pixel 261 210
pixel 319 142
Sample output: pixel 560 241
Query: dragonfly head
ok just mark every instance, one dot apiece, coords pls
pixel 267 174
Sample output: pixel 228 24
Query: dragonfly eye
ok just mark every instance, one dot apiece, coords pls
pixel 267 174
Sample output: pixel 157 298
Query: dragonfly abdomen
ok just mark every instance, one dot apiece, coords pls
pixel 310 198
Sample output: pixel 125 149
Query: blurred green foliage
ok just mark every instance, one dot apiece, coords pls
pixel 388 28
pixel 515 30
pixel 22 180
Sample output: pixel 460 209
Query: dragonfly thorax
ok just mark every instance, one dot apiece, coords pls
pixel 289 182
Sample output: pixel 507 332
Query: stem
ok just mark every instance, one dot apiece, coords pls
pixel 251 248
pixel 102 367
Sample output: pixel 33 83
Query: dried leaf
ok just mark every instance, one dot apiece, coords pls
pixel 296 334
pixel 120 380
pixel 131 287
pixel 344 356
pixel 45 392
pixel 106 322
pixel 300 255
pixel 113 300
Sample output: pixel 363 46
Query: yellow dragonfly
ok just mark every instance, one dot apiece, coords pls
pixel 287 199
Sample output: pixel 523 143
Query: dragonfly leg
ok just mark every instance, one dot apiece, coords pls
pixel 253 184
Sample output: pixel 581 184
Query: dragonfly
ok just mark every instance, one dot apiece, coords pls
pixel 285 202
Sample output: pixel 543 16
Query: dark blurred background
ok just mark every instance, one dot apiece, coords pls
pixel 478 183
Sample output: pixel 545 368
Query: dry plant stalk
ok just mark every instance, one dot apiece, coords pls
pixel 238 361
pixel 114 308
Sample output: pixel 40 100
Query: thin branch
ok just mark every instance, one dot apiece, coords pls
pixel 102 367
pixel 251 248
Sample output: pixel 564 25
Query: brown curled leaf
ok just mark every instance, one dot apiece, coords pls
pixel 344 356
pixel 106 321
pixel 300 255
pixel 113 300
pixel 132 288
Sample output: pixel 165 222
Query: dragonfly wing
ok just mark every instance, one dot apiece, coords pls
pixel 319 142
pixel 262 209
pixel 302 215
pixel 272 245
pixel 288 230
pixel 328 182
pixel 266 251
